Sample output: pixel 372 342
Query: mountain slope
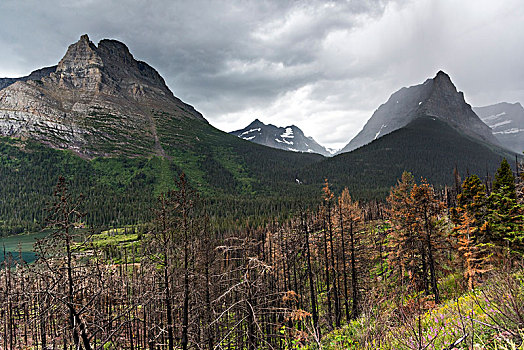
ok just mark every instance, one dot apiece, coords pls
pixel 134 138
pixel 428 147
pixel 289 138
pixel 101 102
pixel 507 122
pixel 436 97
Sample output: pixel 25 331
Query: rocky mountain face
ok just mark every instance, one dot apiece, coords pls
pixel 98 101
pixel 289 138
pixel 437 98
pixel 507 122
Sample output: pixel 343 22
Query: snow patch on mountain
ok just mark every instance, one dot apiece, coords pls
pixel 509 131
pixel 284 141
pixel 249 131
pixel 289 138
pixel 288 133
pixel 507 123
pixel 496 125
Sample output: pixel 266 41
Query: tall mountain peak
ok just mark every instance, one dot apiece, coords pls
pixel 93 97
pixel 81 66
pixel 437 98
pixel 289 138
pixel 442 75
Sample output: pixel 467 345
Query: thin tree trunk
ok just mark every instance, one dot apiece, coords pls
pixel 312 294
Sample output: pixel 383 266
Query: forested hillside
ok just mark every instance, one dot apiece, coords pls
pixel 427 147
pixel 121 190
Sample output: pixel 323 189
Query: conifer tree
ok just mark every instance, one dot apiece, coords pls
pixel 469 218
pixel 428 210
pixel 403 245
pixel 505 229
pixel 416 238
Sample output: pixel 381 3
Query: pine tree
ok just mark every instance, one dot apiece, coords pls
pixel 504 180
pixel 349 218
pixel 416 238
pixel 505 229
pixel 402 238
pixel 469 218
pixel 428 210
pixel 473 256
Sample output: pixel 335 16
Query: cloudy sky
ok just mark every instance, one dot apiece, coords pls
pixel 324 66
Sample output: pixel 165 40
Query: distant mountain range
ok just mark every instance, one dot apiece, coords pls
pixel 436 97
pixel 507 122
pixel 36 75
pixel 289 138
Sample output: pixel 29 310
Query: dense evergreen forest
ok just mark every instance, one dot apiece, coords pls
pixel 236 179
pixel 429 268
pixel 122 190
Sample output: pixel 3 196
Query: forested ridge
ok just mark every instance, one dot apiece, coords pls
pixel 429 268
pixel 236 178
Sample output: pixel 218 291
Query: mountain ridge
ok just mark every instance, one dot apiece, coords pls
pixel 94 97
pixel 507 122
pixel 34 75
pixel 427 146
pixel 289 138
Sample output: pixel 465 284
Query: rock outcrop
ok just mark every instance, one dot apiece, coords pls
pixel 98 101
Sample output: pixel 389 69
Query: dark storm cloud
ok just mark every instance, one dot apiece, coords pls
pixel 322 65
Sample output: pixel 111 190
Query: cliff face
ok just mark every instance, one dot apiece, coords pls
pixel 437 98
pixel 98 101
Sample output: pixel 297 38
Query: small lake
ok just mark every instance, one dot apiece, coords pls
pixel 20 243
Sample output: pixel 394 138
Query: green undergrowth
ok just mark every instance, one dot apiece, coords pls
pixel 490 317
pixel 118 245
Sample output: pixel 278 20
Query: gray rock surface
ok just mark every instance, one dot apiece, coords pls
pixel 98 101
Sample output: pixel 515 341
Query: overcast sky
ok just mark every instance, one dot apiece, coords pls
pixel 324 66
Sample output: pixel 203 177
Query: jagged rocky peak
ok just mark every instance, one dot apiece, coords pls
pixel 97 101
pixel 81 67
pixel 289 138
pixel 108 67
pixel 437 98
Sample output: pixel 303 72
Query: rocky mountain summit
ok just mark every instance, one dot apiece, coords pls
pixel 507 122
pixel 98 101
pixel 289 138
pixel 436 98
